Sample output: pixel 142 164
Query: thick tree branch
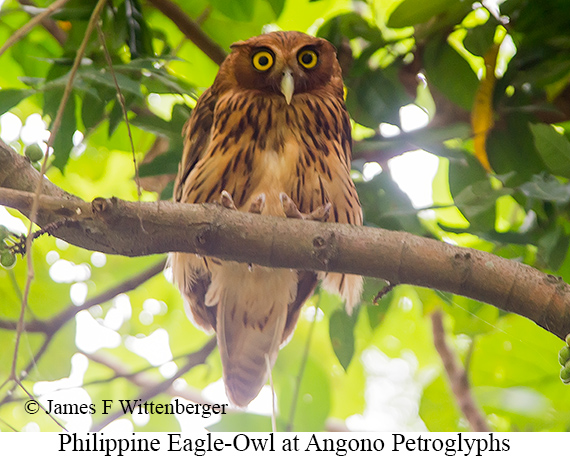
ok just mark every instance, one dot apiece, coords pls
pixel 457 377
pixel 114 226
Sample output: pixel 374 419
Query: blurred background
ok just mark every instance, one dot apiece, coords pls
pixel 461 117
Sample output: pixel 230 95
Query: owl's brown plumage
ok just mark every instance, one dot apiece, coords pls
pixel 273 123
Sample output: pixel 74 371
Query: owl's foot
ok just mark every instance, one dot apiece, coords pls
pixel 256 206
pixel 226 200
pixel 291 210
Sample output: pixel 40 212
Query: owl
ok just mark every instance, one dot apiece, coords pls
pixel 271 136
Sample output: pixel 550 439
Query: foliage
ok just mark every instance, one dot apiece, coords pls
pixel 463 65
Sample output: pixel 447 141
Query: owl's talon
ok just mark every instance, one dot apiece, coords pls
pixel 320 214
pixel 291 210
pixel 289 207
pixel 257 204
pixel 226 200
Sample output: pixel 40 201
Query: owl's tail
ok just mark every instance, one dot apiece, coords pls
pixel 245 350
pixel 250 323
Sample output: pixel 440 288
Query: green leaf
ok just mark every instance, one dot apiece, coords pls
pixel 479 39
pixel 33 56
pixel 350 25
pixel 242 422
pixel 313 401
pixel 438 407
pixel 553 147
pixel 115 117
pixel 504 360
pixel 156 125
pixel 470 317
pixel 127 85
pixel 11 97
pixel 63 142
pixel 546 187
pixel 56 362
pixel 75 10
pixel 553 247
pixel 375 97
pixel 160 82
pixel 341 332
pixel 277 6
pixel 458 85
pixel 168 191
pixel 429 139
pixel 511 148
pixel 477 202
pixel 238 11
pixel 139 36
pixel 387 206
pixel 412 12
pixel 92 110
pixel 171 129
pixel 163 164
pixel 518 403
pixel 375 312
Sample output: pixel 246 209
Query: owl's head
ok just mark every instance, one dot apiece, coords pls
pixel 282 63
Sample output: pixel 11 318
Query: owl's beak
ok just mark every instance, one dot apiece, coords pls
pixel 287 85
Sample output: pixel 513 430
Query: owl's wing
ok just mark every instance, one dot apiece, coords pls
pixel 305 288
pixel 328 153
pixel 197 132
pixel 190 272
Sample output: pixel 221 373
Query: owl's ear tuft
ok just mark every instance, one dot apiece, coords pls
pixel 238 44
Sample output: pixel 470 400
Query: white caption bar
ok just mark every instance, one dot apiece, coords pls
pixel 283 444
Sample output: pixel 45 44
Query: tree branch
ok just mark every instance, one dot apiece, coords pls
pixel 143 379
pixel 457 377
pixel 52 325
pixel 22 31
pixel 190 29
pixel 194 359
pixel 114 226
pixel 49 24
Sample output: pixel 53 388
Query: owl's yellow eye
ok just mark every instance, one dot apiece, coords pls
pixel 262 60
pixel 308 58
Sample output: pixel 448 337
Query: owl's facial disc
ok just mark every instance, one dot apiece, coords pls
pixel 287 85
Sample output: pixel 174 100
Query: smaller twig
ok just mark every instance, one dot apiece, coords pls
pixel 204 15
pixel 121 99
pixel 38 190
pixel 383 292
pixel 49 24
pixel 19 247
pixel 40 405
pixel 8 425
pixel 191 29
pixel 273 409
pixel 51 326
pixel 457 377
pixel 140 377
pixel 23 31
pixel 289 427
pixel 15 285
pixel 194 359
